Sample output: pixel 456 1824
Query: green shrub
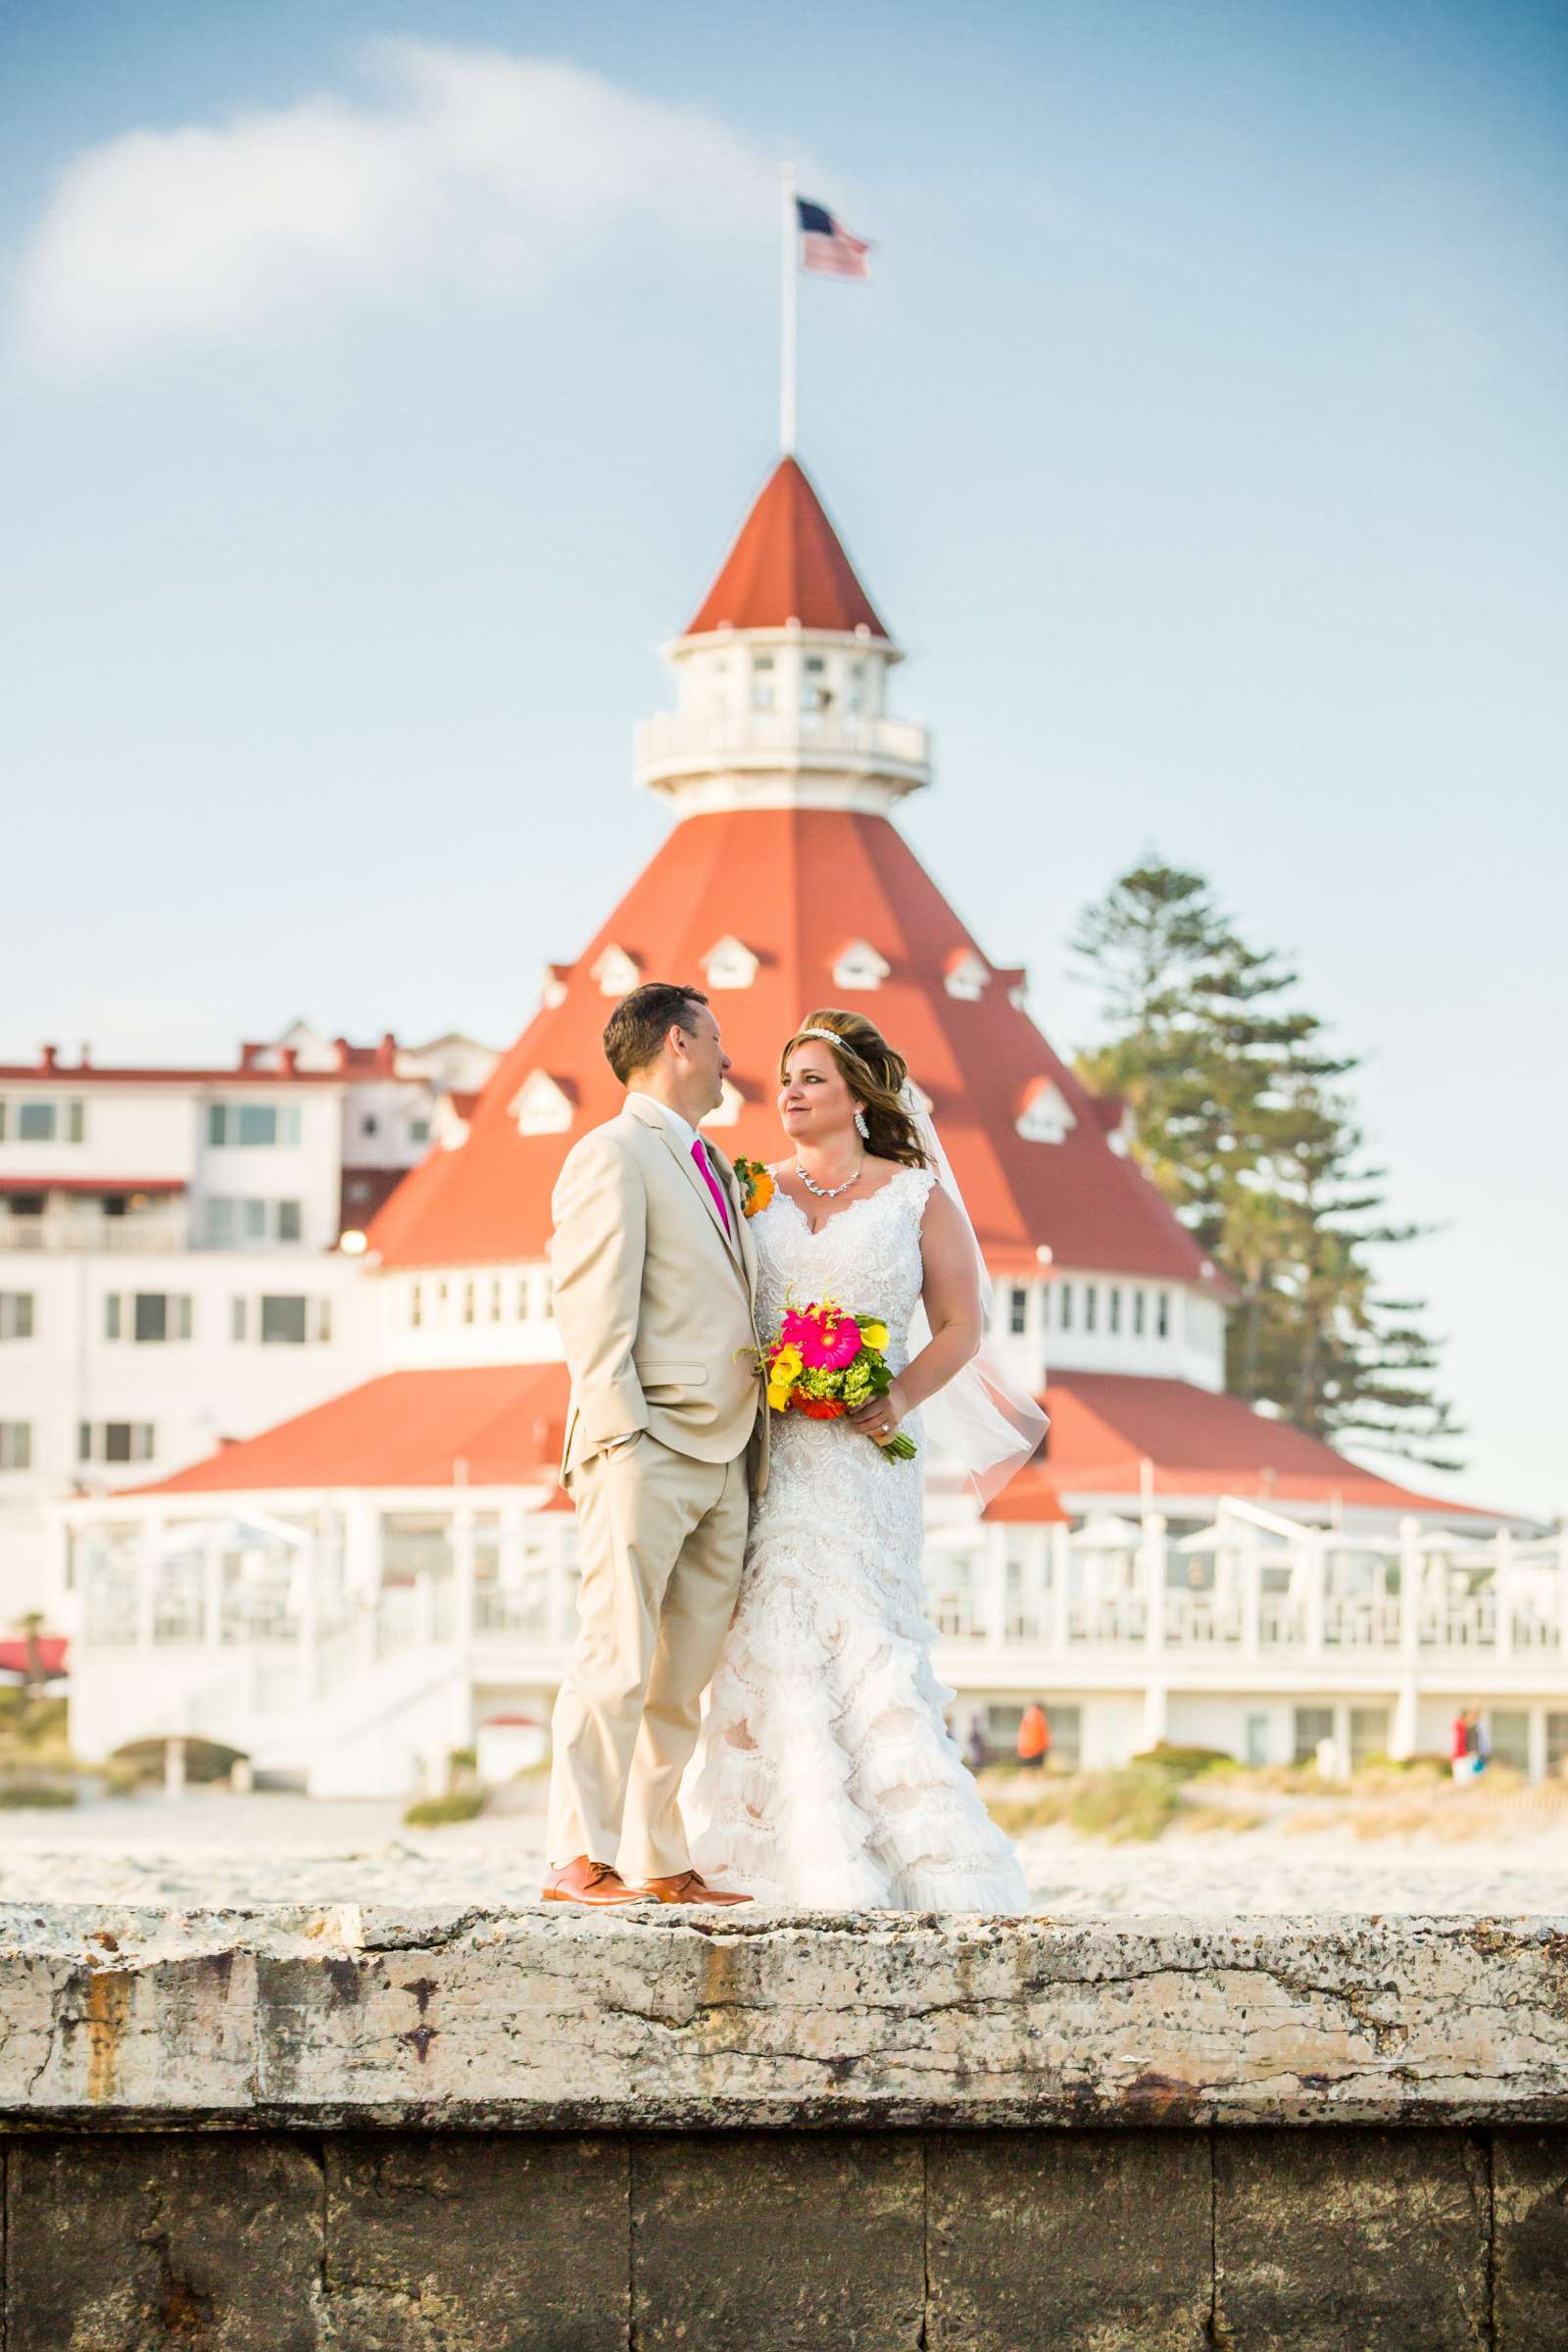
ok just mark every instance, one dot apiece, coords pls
pixel 1186 1762
pixel 464 1759
pixel 205 1760
pixel 1123 1806
pixel 41 1795
pixel 1130 1804
pixel 433 1812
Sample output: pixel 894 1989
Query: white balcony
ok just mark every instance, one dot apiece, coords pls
pixel 115 1236
pixel 679 751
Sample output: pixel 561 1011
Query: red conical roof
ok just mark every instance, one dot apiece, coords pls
pixel 797 887
pixel 787 564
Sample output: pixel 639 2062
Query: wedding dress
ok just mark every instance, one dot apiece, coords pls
pixel 825 1778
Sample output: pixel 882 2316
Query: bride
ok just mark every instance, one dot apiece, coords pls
pixel 825 1777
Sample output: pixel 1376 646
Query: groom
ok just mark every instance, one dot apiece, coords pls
pixel 655 1279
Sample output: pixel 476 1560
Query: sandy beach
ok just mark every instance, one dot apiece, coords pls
pixel 213 1847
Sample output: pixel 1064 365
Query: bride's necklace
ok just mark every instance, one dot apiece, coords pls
pixel 828 1192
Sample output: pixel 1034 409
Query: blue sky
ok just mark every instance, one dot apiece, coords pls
pixel 379 385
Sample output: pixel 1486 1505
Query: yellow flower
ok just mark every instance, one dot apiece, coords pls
pixel 759 1193
pixel 873 1335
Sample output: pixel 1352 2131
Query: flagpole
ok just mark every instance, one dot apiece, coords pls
pixel 787 340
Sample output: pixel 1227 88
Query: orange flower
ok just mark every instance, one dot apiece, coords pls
pixel 757 1186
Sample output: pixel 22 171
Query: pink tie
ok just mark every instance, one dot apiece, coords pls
pixel 705 1171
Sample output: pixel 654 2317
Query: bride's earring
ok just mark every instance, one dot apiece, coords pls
pixel 862 1129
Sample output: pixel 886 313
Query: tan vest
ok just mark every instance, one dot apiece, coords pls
pixel 654 1304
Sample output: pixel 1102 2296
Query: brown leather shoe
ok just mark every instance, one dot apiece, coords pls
pixel 598 1883
pixel 688 1886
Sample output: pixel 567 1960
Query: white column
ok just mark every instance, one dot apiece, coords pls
pixel 212 1589
pixel 1152 1554
pixel 1403 1726
pixel 1060 1566
pixel 1341 1740
pixel 1502 1594
pixel 1538 1742
pixel 1253 1594
pixel 1316 1563
pixel 1563 1593
pixel 463 1572
pixel 996 1573
pixel 148 1548
pixel 1156 1713
pixel 1410 1565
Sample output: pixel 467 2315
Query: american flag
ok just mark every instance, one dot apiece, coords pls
pixel 826 245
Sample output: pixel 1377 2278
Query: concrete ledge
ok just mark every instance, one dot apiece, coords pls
pixel 543 2020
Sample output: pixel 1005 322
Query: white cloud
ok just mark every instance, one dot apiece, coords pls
pixel 464 171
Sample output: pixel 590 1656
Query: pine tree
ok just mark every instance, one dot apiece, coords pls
pixel 1242 1123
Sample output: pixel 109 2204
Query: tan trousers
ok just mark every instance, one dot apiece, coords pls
pixel 660 1539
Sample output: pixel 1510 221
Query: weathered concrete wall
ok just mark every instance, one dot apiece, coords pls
pixel 1088 2241
pixel 539 2018
pixel 538 2131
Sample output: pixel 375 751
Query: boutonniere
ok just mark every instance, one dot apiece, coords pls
pixel 757 1185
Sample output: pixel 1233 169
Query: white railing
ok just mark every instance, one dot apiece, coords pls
pixel 815 738
pixel 115 1236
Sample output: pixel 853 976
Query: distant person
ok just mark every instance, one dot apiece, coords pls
pixel 1460 1759
pixel 974 1747
pixel 1480 1742
pixel 1033 1738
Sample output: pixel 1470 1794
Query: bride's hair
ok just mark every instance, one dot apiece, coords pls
pixel 876 1075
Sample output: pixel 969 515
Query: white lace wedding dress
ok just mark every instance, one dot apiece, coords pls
pixel 825 1778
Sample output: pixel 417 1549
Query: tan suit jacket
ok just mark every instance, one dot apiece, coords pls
pixel 654 1305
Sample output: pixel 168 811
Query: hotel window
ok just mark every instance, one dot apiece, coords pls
pixel 495 1299
pixel 15 1315
pixel 1162 1316
pixel 856 694
pixel 1064 1306
pixel 416 1303
pixel 240 1224
pixel 814 691
pixel 1018 1309
pixel 282 1321
pixel 1139 1304
pixel 46 1122
pixel 546 1308
pixel 1091 1304
pixel 16 1445
pixel 521 1310
pixel 419 1131
pixel 1113 1302
pixel 147 1317
pixel 762 682
pixel 236 1318
pixel 468 1301
pixel 252 1125
pixel 115 1442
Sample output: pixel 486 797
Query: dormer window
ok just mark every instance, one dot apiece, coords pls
pixel 729 963
pixel 966 976
pixel 617 972
pixel 815 693
pixel 542 1104
pixel 1045 1117
pixel 859 966
pixel 762 681
pixel 855 686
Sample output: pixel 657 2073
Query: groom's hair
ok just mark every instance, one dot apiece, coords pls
pixel 635 1032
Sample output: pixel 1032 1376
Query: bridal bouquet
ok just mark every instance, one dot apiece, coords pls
pixel 826 1363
